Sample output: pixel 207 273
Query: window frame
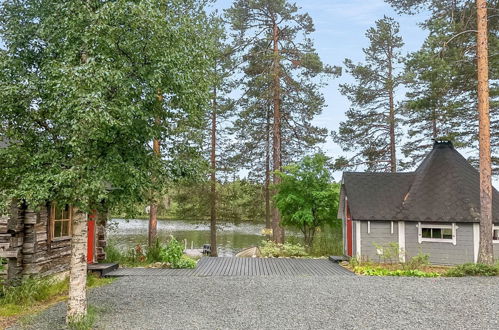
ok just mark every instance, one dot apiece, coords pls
pixel 495 241
pixel 452 226
pixel 53 208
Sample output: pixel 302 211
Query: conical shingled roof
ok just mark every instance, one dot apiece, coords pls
pixel 445 188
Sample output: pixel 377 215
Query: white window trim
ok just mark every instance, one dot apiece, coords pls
pixel 369 227
pixel 495 241
pixel 391 227
pixel 452 240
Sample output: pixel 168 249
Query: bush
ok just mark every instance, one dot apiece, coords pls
pixel 379 271
pixel 471 269
pixel 274 250
pixel 173 253
pixel 417 262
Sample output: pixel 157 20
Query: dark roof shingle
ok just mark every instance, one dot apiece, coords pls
pixel 444 188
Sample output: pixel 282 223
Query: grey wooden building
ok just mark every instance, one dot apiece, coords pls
pixel 433 210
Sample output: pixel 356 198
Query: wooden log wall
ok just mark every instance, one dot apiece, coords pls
pixel 24 242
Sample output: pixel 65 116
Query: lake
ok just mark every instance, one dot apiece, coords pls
pixel 231 237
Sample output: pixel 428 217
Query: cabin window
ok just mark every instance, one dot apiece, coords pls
pixel 60 221
pixel 437 233
pixel 495 234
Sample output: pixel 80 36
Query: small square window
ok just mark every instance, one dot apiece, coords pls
pixel 436 233
pixel 495 235
pixel 447 233
pixel 60 221
pixel 426 232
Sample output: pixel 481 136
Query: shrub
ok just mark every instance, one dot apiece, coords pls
pixel 275 250
pixel 471 269
pixel 389 252
pixel 379 271
pixel 418 261
pixel 172 253
pixel 154 253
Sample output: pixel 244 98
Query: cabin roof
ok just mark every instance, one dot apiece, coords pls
pixel 444 188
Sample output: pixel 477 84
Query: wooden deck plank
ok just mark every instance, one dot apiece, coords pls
pixel 226 266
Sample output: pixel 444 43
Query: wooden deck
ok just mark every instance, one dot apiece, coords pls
pixel 245 267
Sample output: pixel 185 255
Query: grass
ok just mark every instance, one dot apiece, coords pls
pixel 87 322
pixel 36 294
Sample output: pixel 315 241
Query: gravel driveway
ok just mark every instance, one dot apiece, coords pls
pixel 341 302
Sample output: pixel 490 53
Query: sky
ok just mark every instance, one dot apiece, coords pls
pixel 340 27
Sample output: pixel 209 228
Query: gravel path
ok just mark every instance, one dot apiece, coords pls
pixel 346 302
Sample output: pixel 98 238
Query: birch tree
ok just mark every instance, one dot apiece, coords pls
pixel 78 83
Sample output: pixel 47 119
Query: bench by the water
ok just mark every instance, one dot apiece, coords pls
pixel 226 266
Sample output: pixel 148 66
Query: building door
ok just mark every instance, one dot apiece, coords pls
pixel 91 237
pixel 349 238
pixel 349 233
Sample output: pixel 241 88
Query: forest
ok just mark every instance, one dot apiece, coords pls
pixel 205 114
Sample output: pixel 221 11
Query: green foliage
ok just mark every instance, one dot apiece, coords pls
pixel 87 322
pixel 271 249
pixel 441 78
pixel 32 290
pixel 388 252
pixel 239 200
pixel 328 240
pixel 380 271
pixel 172 253
pixel 306 197
pixel 37 290
pixel 417 262
pixel 169 255
pixel 471 269
pixel 300 74
pixel 80 96
pixel 370 130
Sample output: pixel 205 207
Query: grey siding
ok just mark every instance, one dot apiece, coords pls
pixel 380 234
pixel 496 251
pixel 354 240
pixel 441 253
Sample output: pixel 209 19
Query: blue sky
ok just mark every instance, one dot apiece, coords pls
pixel 340 33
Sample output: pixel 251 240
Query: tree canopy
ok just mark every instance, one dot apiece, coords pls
pixel 306 195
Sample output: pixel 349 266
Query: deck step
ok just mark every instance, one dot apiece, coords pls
pixel 338 259
pixel 102 269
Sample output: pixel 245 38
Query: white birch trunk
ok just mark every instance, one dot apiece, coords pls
pixel 77 303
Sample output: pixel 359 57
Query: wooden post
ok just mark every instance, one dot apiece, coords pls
pixel 485 252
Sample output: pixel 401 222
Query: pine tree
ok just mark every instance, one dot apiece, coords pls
pixel 370 130
pixel 274 44
pixel 444 76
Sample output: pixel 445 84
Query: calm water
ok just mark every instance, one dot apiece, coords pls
pixel 231 238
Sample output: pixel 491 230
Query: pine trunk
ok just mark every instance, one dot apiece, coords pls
pixel 153 211
pixel 77 302
pixel 213 195
pixel 393 151
pixel 485 252
pixel 268 223
pixel 277 230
